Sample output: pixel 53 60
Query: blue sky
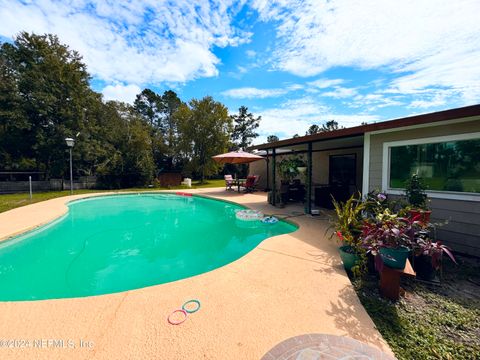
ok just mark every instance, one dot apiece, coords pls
pixel 295 63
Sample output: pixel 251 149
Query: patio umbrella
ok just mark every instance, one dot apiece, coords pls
pixel 236 157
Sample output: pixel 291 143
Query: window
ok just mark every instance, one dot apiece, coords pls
pixel 452 165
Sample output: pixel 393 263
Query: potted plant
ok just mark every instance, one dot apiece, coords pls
pixel 348 228
pixel 375 202
pixel 389 238
pixel 417 199
pixel 288 169
pixel 428 255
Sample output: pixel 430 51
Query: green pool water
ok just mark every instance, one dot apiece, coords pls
pixel 116 243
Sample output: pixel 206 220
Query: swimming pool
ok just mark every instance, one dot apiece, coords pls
pixel 115 243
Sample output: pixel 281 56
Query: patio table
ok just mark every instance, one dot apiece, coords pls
pixel 240 182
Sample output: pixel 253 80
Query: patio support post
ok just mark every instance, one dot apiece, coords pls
pixel 268 175
pixel 274 180
pixel 308 200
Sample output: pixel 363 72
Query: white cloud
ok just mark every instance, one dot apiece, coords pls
pixel 251 92
pixel 119 92
pixel 324 83
pixel 136 41
pixel 433 98
pixel 251 53
pixel 296 116
pixel 424 43
pixel 373 101
pixel 340 92
pixel 242 69
pixel 294 87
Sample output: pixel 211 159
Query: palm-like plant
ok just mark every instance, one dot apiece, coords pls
pixel 348 223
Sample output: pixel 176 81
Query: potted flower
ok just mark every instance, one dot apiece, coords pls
pixel 348 228
pixel 375 202
pixel 417 199
pixel 429 254
pixel 389 238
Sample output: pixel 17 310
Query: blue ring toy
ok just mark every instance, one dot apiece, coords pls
pixel 194 301
pixel 270 220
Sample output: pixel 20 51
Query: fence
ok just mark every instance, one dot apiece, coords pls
pixel 9 187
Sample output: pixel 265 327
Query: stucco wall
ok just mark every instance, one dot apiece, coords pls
pixel 259 168
pixel 463 229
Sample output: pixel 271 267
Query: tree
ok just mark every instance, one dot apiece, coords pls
pixel 149 105
pixel 295 136
pixel 329 126
pixel 244 128
pixel 272 138
pixel 205 129
pixel 13 121
pixel 44 93
pixel 170 104
pixel 158 112
pixel 313 129
pixel 128 159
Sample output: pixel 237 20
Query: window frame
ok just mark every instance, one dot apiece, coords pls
pixel 440 194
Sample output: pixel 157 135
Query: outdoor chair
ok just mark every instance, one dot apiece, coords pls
pixel 229 182
pixel 251 183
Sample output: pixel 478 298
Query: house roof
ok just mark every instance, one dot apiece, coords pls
pixel 451 114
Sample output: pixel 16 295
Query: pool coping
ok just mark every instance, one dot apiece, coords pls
pixel 286 286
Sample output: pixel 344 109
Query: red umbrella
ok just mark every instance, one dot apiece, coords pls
pixel 236 157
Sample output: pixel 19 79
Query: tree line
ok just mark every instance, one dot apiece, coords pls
pixel 45 96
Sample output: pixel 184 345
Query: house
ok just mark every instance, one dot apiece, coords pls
pixel 442 147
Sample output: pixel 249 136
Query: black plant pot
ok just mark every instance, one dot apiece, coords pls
pixel 371 264
pixel 423 267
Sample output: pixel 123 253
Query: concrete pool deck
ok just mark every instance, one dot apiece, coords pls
pixel 289 285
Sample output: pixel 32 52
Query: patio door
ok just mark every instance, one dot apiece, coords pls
pixel 343 175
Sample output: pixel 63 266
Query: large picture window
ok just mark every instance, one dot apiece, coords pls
pixel 452 166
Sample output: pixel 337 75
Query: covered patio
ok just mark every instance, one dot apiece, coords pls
pixel 334 167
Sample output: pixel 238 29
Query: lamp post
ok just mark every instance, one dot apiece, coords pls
pixel 70 143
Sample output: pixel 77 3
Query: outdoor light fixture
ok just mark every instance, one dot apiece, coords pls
pixel 70 143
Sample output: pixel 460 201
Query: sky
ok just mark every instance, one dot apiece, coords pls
pixel 295 63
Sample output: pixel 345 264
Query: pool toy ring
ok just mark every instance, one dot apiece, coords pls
pixel 172 322
pixel 191 311
pixel 269 220
pixel 249 215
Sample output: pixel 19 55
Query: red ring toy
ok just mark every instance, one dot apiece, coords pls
pixel 178 322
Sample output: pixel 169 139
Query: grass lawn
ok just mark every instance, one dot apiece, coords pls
pixel 11 201
pixel 431 322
